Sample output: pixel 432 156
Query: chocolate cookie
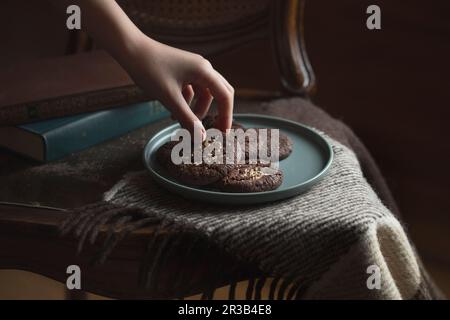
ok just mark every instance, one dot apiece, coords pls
pixel 286 146
pixel 198 174
pixel 284 150
pixel 210 120
pixel 251 178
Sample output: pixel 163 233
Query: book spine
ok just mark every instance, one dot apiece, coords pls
pixel 70 105
pixel 99 127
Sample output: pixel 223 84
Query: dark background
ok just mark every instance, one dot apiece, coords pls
pixel 391 86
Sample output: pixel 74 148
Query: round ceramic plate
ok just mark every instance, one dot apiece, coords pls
pixel 308 163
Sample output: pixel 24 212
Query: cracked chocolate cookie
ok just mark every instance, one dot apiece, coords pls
pixel 197 174
pixel 251 178
pixel 284 150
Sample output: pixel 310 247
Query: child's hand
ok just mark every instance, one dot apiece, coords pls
pixel 170 75
pixel 175 77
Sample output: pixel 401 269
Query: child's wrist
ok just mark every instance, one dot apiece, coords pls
pixel 131 45
pixel 128 49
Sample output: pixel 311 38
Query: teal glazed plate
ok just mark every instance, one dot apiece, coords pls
pixel 308 163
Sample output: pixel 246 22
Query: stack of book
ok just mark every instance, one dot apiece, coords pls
pixel 52 108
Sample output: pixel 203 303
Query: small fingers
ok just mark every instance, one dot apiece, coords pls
pixel 203 102
pixel 227 84
pixel 188 93
pixel 182 112
pixel 223 93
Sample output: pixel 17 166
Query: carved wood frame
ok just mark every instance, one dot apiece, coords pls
pixel 297 76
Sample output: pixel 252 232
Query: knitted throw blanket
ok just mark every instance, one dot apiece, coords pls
pixel 337 240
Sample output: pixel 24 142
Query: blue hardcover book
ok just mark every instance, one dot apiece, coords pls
pixel 56 138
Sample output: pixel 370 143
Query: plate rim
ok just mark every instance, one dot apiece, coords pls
pixel 315 178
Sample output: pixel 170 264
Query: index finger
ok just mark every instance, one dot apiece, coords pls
pixel 224 96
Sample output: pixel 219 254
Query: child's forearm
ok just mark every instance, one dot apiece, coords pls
pixel 170 75
pixel 106 22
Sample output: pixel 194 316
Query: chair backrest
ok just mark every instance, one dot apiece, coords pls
pixel 211 27
pixel 207 27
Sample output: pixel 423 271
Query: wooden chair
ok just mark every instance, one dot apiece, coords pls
pixel 29 235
